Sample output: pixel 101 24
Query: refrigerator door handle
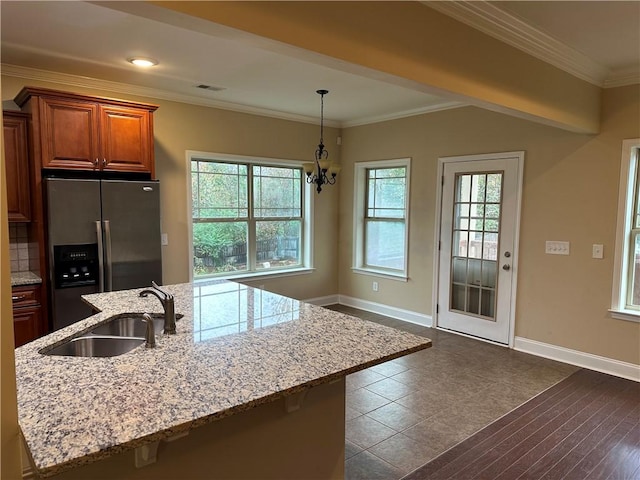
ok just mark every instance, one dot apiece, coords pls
pixel 107 256
pixel 100 256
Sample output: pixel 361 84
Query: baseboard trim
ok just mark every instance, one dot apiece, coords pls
pixel 581 359
pixel 324 301
pixel 393 312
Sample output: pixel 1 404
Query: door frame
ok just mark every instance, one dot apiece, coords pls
pixel 519 155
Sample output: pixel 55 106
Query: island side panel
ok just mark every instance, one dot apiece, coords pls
pixel 265 442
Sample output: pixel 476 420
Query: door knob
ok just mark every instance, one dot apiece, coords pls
pixel 506 266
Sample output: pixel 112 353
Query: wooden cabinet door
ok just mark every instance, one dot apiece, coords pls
pixel 70 134
pixel 17 166
pixel 27 313
pixel 26 323
pixel 126 139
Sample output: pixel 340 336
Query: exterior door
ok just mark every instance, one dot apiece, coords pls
pixel 478 245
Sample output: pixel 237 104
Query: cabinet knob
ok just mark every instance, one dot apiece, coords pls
pixel 104 162
pixel 95 163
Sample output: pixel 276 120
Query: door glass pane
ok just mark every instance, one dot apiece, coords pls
pixel 460 242
pixel 488 303
pixel 490 246
pixel 489 271
pixel 458 297
pixel 473 273
pixel 474 252
pixel 460 270
pixel 475 244
pixel 473 303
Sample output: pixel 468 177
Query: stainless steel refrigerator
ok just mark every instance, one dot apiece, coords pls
pixel 103 235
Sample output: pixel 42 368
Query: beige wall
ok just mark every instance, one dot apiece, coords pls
pixel 570 193
pixel 180 127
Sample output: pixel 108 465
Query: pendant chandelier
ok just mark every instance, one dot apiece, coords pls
pixel 322 171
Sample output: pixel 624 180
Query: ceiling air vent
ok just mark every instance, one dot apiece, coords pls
pixel 202 86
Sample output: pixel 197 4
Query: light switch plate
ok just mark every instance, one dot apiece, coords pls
pixel 556 248
pixel 164 239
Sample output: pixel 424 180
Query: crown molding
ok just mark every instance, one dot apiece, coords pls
pixel 406 113
pixel 622 77
pixel 137 90
pixel 509 29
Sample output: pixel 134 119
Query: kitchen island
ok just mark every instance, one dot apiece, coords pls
pixel 251 386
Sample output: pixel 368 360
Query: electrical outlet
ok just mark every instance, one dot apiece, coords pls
pixel 597 251
pixel 375 286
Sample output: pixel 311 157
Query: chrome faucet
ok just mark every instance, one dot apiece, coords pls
pixel 150 335
pixel 167 301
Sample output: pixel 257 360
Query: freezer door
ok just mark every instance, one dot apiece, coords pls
pixel 131 216
pixel 73 207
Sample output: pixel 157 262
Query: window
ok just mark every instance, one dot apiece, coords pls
pixel 626 286
pixel 381 217
pixel 248 216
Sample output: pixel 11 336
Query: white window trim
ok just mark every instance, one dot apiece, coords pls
pixel 307 224
pixel 358 219
pixel 628 168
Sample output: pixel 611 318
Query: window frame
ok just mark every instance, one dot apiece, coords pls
pixel 306 257
pixel 624 253
pixel 359 214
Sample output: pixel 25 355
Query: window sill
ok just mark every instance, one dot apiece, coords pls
pixel 380 273
pixel 628 315
pixel 258 275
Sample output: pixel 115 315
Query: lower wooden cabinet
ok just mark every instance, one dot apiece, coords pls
pixel 27 313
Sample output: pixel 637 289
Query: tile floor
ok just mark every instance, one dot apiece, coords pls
pixel 405 412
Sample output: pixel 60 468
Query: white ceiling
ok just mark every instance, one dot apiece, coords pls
pixel 593 40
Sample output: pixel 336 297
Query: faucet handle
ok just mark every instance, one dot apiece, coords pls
pixel 164 293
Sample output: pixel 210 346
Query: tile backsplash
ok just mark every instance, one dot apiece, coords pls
pixel 18 247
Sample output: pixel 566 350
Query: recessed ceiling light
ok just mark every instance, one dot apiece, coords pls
pixel 143 61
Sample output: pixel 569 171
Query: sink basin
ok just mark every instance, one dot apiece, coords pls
pixel 96 346
pixel 128 325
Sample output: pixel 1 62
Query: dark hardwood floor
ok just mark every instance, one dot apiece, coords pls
pixel 585 427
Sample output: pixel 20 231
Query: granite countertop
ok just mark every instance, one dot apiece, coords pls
pixel 236 347
pixel 19 279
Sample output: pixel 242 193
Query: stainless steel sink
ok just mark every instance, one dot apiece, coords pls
pixel 119 334
pixel 128 325
pixel 96 346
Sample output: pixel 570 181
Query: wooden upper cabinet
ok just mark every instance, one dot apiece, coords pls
pixel 90 133
pixel 127 140
pixel 69 132
pixel 16 151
